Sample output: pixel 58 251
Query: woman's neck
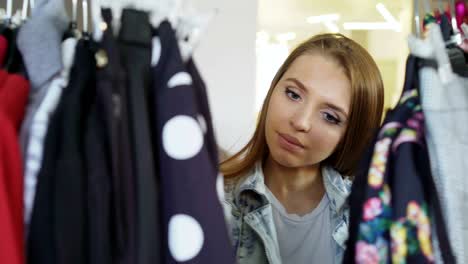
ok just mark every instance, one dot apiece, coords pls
pixel 300 190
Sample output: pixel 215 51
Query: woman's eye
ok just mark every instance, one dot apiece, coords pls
pixel 291 94
pixel 331 118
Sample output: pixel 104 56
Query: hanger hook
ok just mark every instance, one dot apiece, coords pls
pixel 24 12
pixel 74 10
pixel 85 15
pixel 416 18
pixel 9 9
pixel 454 16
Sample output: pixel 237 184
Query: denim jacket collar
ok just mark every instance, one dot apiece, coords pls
pixel 337 188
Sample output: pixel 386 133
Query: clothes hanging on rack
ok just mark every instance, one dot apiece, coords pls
pixel 33 153
pixel 394 200
pixel 188 177
pixel 14 91
pixel 98 168
pixel 40 43
pixel 445 105
pixel 118 238
pixel 61 190
pixel 135 47
pixel 96 150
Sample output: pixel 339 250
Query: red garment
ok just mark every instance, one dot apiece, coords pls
pixel 14 91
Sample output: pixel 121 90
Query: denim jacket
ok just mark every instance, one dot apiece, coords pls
pixel 250 218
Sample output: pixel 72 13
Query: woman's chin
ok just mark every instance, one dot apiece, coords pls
pixel 286 159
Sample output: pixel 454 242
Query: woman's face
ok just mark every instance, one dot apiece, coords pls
pixel 308 111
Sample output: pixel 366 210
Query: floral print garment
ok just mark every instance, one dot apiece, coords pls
pixel 395 225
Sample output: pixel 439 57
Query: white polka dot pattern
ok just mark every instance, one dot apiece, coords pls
pixel 185 237
pixel 182 137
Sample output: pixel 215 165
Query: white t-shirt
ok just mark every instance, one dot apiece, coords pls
pixel 304 239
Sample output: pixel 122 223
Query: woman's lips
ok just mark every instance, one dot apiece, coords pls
pixel 289 143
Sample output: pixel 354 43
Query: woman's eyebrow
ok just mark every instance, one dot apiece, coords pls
pixel 337 108
pixel 298 83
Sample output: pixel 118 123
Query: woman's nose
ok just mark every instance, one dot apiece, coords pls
pixel 302 120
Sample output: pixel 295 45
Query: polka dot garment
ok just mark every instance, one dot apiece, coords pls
pixel 190 184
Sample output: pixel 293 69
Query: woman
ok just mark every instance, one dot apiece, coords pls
pixel 286 189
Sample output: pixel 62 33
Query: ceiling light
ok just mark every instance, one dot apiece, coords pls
pixel 385 13
pixel 390 22
pixel 388 16
pixel 323 18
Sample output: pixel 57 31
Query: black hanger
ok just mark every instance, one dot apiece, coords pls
pixel 456 55
pixel 73 31
pixel 13 62
pixel 446 28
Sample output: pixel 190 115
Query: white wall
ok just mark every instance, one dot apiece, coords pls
pixel 226 58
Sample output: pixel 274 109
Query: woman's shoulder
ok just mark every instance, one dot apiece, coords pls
pixel 337 186
pixel 234 182
pixel 230 208
pixel 334 177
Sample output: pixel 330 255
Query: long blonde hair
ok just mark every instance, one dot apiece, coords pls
pixel 365 112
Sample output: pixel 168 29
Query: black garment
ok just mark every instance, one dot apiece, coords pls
pixel 105 219
pixel 13 61
pixel 395 192
pixel 355 201
pixel 98 185
pixel 188 180
pixel 71 181
pixel 59 219
pixel 135 40
pixel 111 102
pixel 40 238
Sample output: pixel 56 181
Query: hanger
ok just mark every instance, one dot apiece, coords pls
pixel 417 22
pixel 73 31
pixel 455 55
pixel 84 6
pixel 432 51
pixel 456 36
pixel 74 12
pixel 13 60
pixel 9 10
pixel 189 30
pixel 453 15
pixel 187 24
pixel 464 44
pixel 116 6
pixel 24 11
pixel 454 46
pixel 98 24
